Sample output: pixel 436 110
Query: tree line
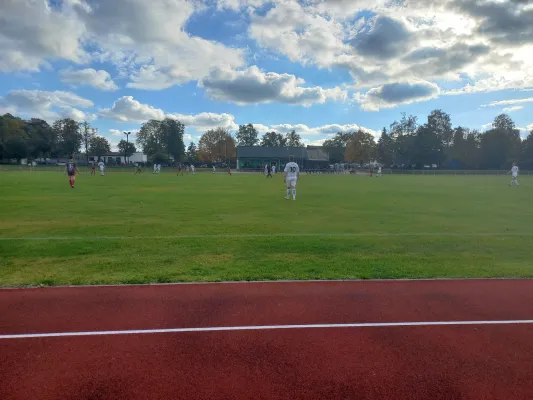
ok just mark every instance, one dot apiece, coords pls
pixel 406 143
pixel 35 138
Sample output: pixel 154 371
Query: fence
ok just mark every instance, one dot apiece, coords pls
pixel 148 169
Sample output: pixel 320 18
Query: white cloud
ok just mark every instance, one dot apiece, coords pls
pixel 145 40
pixel 47 105
pixel 508 102
pixel 512 109
pixel 530 128
pixel 98 79
pixel 205 120
pixel 255 86
pixel 127 109
pixel 392 95
pixel 31 32
pixel 304 130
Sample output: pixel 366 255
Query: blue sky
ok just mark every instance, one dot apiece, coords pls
pixel 315 66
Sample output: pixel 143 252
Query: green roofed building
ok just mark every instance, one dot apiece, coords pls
pixel 255 157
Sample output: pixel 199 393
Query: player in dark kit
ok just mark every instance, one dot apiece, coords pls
pixel 269 171
pixel 93 167
pixel 180 170
pixel 71 170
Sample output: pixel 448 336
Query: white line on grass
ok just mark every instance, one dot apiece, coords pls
pixel 264 328
pixel 272 235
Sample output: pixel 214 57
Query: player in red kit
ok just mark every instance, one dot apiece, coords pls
pixel 229 170
pixel 71 170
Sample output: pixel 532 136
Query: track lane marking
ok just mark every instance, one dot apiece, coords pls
pixel 262 328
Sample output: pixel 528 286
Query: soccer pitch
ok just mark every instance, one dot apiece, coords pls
pixel 125 228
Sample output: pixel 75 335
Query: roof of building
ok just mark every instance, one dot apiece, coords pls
pixel 270 152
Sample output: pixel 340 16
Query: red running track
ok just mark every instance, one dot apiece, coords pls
pixel 408 362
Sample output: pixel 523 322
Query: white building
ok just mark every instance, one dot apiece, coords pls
pixel 118 158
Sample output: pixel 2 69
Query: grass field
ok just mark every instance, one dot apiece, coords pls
pixel 123 228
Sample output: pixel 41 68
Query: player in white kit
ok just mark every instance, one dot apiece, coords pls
pixel 192 169
pixel 274 170
pixel 379 171
pixel 102 167
pixel 290 177
pixel 514 173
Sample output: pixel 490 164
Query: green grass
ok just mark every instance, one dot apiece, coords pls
pixel 443 226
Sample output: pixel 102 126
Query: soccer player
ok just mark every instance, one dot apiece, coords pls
pixel 269 171
pixel 290 177
pixel 102 167
pixel 214 169
pixel 266 170
pixel 138 168
pixel 155 168
pixel 71 169
pixel 180 170
pixel 229 170
pixel 187 169
pixel 514 173
pixel 274 169
pixel 192 169
pixel 379 170
pixel 93 167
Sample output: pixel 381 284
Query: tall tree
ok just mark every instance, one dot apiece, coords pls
pixel 87 134
pixel 126 148
pixel 99 145
pixel 216 145
pixel 526 159
pixel 292 139
pixel 41 138
pixel 16 146
pixel 273 139
pixel 172 132
pixel 402 134
pixel 192 152
pixel 500 146
pixel 149 137
pixel 337 146
pixel 10 126
pixel 384 148
pixel 247 135
pixel 439 123
pixel 68 136
pixel 425 147
pixel 361 148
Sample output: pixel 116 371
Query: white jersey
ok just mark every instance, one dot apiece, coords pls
pixel 101 165
pixel 514 170
pixel 274 169
pixel 292 170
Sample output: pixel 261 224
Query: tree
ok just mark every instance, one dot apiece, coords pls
pixel 10 126
pixel 273 139
pixel 87 134
pixel 216 145
pixel 384 148
pixel 402 134
pixel 126 148
pixel 68 136
pixel 526 159
pixel 360 148
pixel 292 139
pixel 439 123
pixel 150 138
pixel 99 145
pixel 425 147
pixel 192 151
pixel 337 146
pixel 500 146
pixel 247 135
pixel 15 146
pixel 172 132
pixel 41 138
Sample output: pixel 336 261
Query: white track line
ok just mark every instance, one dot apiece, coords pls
pixel 263 328
pixel 271 235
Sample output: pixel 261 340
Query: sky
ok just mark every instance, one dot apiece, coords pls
pixel 316 66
